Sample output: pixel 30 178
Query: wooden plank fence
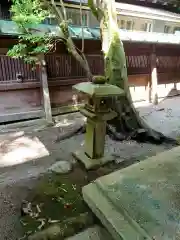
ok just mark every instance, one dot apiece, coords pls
pixel 64 70
pixel 10 68
pixel 23 97
pixel 66 67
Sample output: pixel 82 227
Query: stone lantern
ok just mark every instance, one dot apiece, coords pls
pixel 97 112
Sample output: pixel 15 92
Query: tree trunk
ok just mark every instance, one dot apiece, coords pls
pixel 45 91
pixel 128 121
pixel 154 79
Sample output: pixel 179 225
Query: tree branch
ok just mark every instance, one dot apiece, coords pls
pixel 63 24
pixel 58 11
pixel 64 10
pixel 96 7
pixel 81 20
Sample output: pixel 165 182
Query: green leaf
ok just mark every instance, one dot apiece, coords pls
pixel 28 14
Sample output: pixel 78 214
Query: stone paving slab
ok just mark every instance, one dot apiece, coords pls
pixel 93 233
pixel 141 201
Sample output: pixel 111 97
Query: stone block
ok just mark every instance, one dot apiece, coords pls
pixel 141 201
pixel 93 233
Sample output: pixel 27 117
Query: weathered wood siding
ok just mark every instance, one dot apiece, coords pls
pixel 63 72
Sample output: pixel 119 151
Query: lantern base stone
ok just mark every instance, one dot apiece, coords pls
pixel 90 163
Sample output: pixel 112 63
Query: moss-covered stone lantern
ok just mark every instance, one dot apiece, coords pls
pixel 98 113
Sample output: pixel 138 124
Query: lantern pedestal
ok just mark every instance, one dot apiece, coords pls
pixel 90 163
pixel 92 154
pixel 97 113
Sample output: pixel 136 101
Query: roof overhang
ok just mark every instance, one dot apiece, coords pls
pixel 146 12
pixel 168 5
pixel 10 28
pixel 149 37
pixel 141 8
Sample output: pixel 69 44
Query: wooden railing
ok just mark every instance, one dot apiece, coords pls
pixel 168 63
pixel 138 64
pixel 10 68
pixel 63 66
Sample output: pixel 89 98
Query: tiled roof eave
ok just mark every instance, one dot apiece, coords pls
pixel 10 29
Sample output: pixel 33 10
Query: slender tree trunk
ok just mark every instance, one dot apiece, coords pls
pixel 154 78
pixel 45 91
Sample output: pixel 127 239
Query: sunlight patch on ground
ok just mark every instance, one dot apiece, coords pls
pixel 64 123
pixel 4 137
pixel 20 150
pixel 67 122
pixel 142 104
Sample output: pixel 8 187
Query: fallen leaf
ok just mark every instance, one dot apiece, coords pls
pixel 38 208
pixel 42 220
pixel 53 221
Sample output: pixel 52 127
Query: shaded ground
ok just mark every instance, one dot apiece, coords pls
pixel 26 153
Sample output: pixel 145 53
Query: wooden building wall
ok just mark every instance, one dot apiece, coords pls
pixel 22 100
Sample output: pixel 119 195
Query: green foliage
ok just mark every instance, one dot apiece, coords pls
pixel 30 46
pixel 27 14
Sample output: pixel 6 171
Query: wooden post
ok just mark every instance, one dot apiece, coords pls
pixel 45 91
pixel 154 79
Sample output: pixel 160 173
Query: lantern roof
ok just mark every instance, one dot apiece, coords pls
pixel 98 90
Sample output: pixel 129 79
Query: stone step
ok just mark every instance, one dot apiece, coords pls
pixel 93 233
pixel 141 201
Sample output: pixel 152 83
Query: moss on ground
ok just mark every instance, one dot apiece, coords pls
pixel 56 200
pixel 62 209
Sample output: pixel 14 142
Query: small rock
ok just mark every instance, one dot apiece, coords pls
pixel 61 167
pixel 119 159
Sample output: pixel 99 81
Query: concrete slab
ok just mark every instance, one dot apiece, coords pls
pixel 93 233
pixel 33 124
pixel 141 201
pixel 163 117
pixel 17 116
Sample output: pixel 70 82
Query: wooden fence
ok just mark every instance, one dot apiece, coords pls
pixel 66 67
pixel 17 95
pixel 10 68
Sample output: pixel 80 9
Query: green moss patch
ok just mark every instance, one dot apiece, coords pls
pixel 56 201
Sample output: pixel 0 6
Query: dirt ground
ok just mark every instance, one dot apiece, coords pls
pixel 26 153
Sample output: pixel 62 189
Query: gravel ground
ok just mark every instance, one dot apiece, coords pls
pixel 28 152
